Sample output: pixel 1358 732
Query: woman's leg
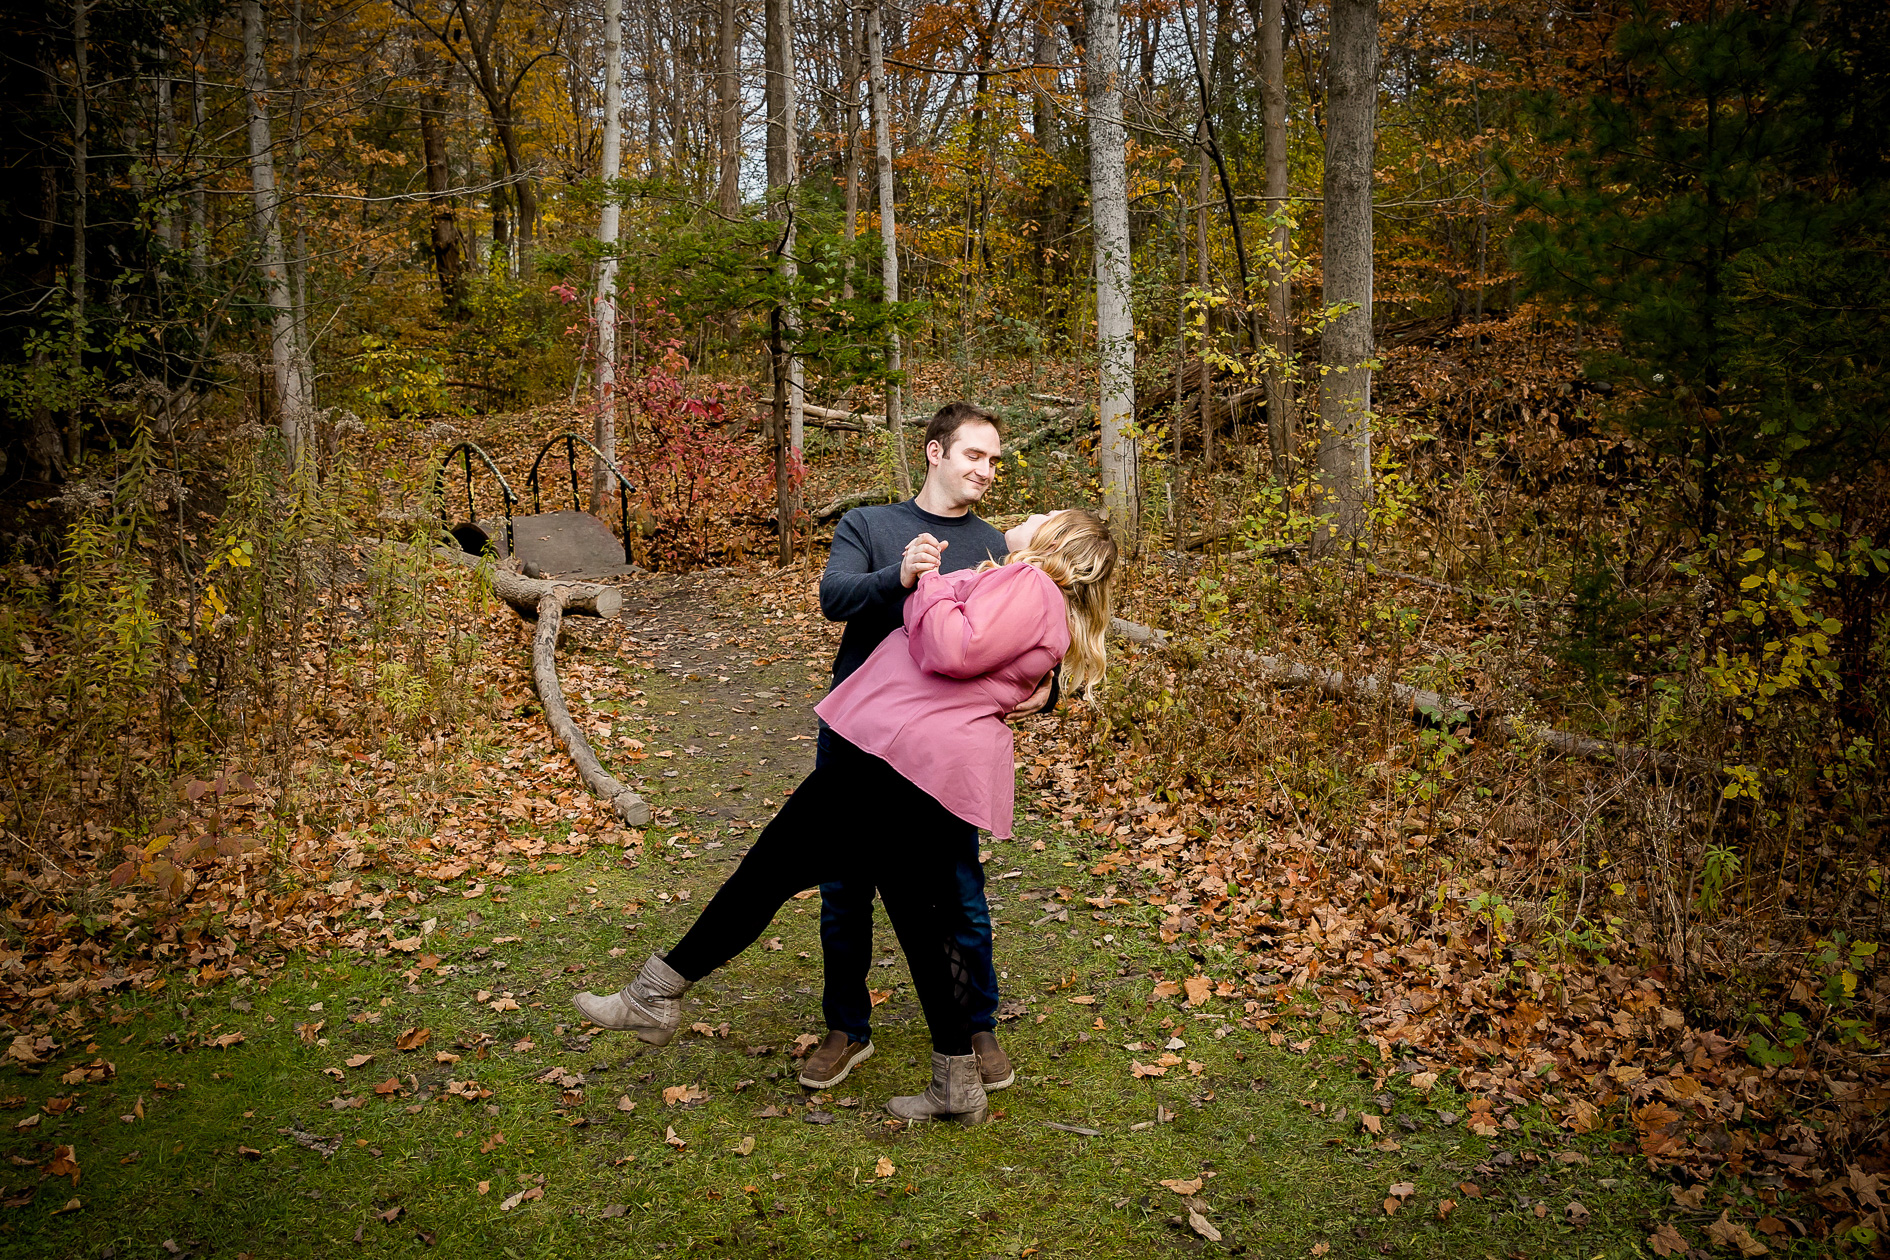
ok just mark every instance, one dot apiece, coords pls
pixel 809 842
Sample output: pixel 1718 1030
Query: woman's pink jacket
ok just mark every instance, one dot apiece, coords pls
pixel 931 699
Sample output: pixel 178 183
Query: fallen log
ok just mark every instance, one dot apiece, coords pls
pixel 552 605
pixel 547 602
pixel 847 502
pixel 1417 703
pixel 524 594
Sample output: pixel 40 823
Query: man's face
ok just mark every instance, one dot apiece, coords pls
pixel 965 472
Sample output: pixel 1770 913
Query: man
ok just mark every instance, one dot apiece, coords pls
pixel 878 556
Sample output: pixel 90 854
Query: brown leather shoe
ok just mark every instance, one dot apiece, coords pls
pixel 993 1064
pixel 829 1064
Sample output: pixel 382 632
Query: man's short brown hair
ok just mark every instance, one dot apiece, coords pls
pixel 953 416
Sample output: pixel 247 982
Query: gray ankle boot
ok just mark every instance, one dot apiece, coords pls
pixel 955 1094
pixel 649 1006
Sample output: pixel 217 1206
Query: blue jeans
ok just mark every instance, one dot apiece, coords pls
pixel 846 935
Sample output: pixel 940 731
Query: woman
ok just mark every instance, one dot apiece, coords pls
pixel 929 751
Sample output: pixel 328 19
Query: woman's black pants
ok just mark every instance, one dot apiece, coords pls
pixel 854 818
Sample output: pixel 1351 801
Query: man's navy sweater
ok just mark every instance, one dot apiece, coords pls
pixel 861 583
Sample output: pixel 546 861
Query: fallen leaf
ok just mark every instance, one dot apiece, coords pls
pixel 884 1168
pixel 1583 1116
pixel 359 1060
pixel 1666 1241
pixel 64 1163
pixel 626 1103
pixel 1373 1124
pixel 72 1205
pixel 1190 1186
pixel 1140 1070
pixel 1576 1212
pixel 1445 1207
pixel 1725 1232
pixel 1320 1249
pixel 612 1212
pixel 1691 1198
pixel 1200 989
pixel 1404 1190
pixel 523 1196
pixel 484 1187
pixel 671 1138
pixel 682 1094
pixel 1166 989
pixel 746 1147
pixel 1200 1225
pixel 413 1038
pixel 227 1040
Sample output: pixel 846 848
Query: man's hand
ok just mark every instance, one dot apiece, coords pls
pixel 921 557
pixel 1034 703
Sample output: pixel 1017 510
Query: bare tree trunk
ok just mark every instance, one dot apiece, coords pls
pixel 1202 190
pixel 1115 331
pixel 606 303
pixel 782 174
pixel 783 179
pixel 298 257
pixel 164 143
pixel 449 244
pixel 1345 397
pixel 888 238
pixel 81 193
pixel 1282 424
pixel 850 75
pixel 199 225
pixel 293 403
pixel 729 107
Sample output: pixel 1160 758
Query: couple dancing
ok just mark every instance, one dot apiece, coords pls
pixel 951 628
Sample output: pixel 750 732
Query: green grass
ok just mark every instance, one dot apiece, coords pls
pixel 1258 1124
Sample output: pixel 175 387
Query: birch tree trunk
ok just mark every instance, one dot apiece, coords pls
pixel 1282 424
pixel 729 108
pixel 888 238
pixel 1345 394
pixel 850 75
pixel 779 93
pixel 605 306
pixel 1115 332
pixel 293 403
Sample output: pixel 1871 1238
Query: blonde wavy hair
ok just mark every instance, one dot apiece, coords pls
pixel 1076 551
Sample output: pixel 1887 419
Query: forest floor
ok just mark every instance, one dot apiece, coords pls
pixel 439 1092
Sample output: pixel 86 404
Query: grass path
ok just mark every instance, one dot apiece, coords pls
pixel 507 1132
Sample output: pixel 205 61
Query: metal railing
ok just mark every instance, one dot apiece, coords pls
pixel 466 451
pixel 570 441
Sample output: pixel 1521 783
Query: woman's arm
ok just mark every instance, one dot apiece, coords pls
pixel 963 626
